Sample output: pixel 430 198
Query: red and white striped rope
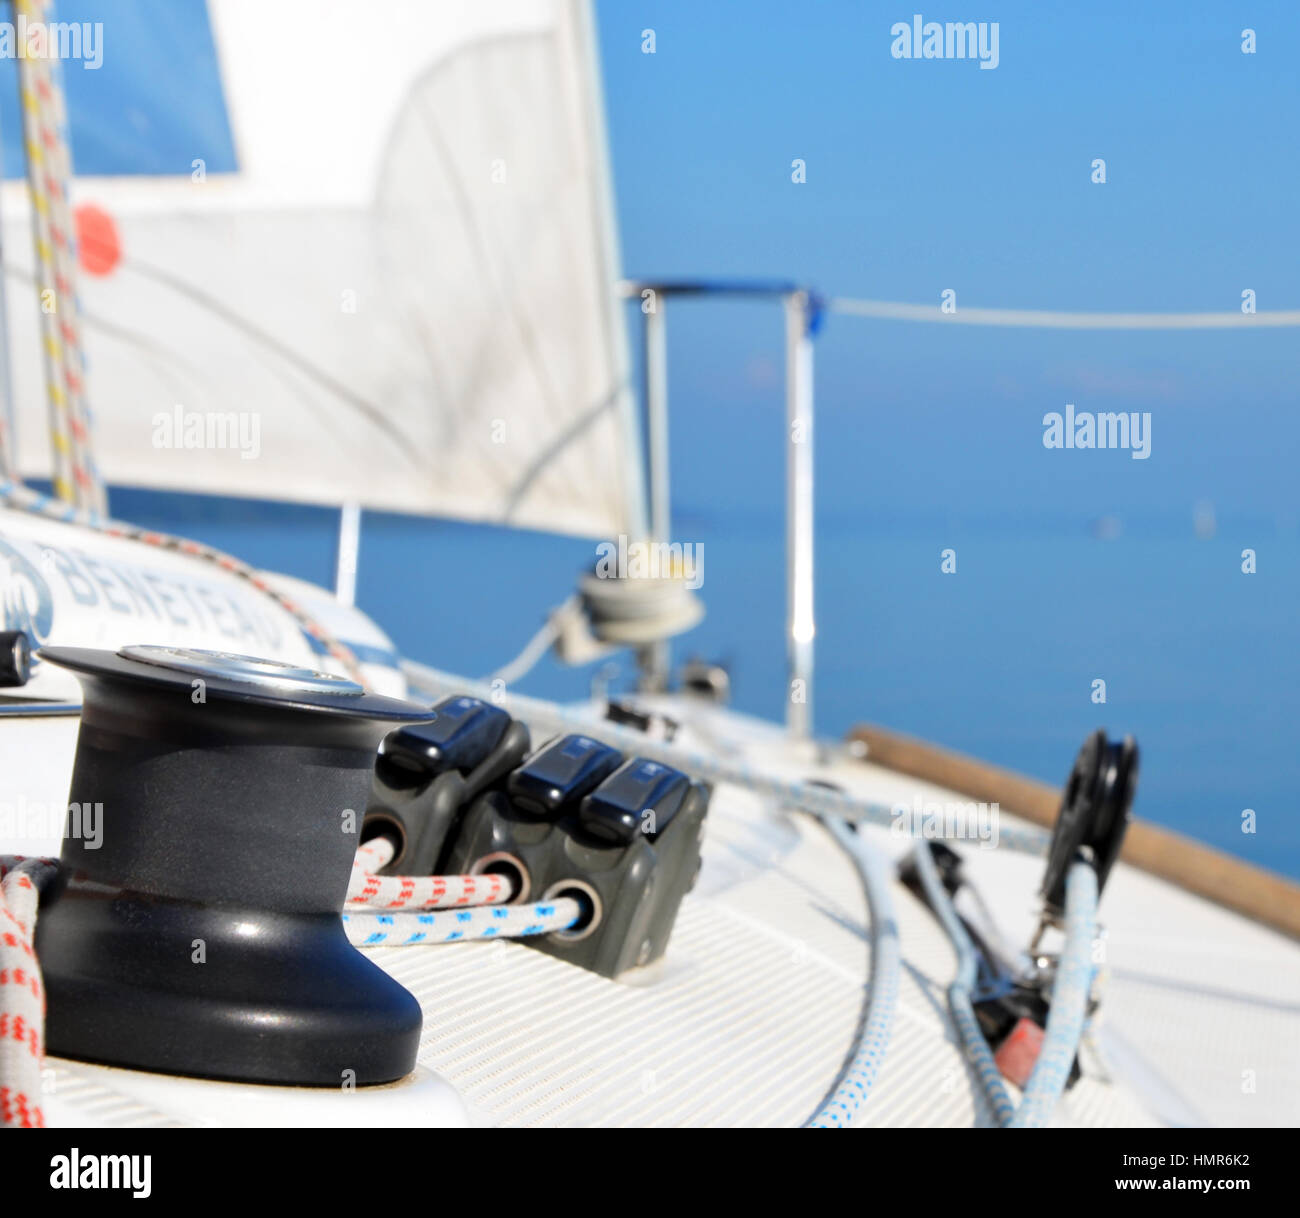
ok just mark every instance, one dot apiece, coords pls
pixel 22 996
pixel 90 487
pixel 374 855
pixel 333 646
pixel 61 443
pixel 427 891
pixel 367 890
pixel 49 170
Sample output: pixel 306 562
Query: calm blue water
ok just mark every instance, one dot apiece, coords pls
pixel 1201 663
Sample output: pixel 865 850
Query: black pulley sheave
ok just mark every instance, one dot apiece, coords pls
pixel 1094 813
pixel 216 804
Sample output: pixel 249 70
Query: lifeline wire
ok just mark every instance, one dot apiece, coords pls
pixel 1043 319
pixel 886 963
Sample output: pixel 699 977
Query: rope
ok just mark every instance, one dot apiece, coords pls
pixel 977 1048
pixel 426 891
pixel 536 647
pixel 1065 1015
pixel 22 994
pixel 548 718
pixel 855 1081
pixel 486 922
pixel 49 167
pixel 60 411
pixel 1069 1009
pixel 892 310
pixel 366 889
pixel 22 499
pixel 374 855
pixel 630 610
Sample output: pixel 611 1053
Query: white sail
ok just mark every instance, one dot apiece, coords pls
pixel 401 292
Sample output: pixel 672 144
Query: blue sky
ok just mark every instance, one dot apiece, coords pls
pixel 924 175
pixel 153 103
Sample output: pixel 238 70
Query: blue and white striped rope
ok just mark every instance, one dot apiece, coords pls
pixel 855 1082
pixel 1069 1010
pixel 1065 1017
pixel 977 1048
pixel 460 925
pixel 14 494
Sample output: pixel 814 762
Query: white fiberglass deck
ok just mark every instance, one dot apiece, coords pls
pixel 757 1005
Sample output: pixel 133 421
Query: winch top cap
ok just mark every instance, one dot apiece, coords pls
pixel 239 677
pixel 274 674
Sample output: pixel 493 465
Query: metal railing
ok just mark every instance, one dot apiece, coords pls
pixel 803 309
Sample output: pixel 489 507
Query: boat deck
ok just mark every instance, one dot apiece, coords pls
pixel 750 1018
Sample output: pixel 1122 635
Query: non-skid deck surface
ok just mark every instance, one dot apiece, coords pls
pixel 764 988
pixel 750 1023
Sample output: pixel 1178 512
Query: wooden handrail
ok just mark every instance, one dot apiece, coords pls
pixel 1242 887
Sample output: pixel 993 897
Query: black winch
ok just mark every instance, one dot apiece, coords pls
pixel 198 931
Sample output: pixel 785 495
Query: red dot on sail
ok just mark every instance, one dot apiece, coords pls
pixel 99 246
